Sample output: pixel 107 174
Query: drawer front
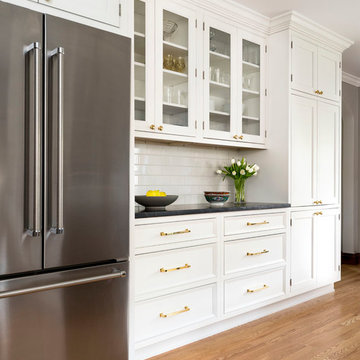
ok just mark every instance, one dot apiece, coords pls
pixel 173 232
pixel 236 225
pixel 246 254
pixel 166 269
pixel 253 290
pixel 168 313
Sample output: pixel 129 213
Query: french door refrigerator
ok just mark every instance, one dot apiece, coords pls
pixel 64 182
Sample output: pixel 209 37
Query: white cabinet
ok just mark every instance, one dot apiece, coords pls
pixel 303 151
pixel 197 78
pixel 220 63
pixel 328 241
pixel 315 152
pixel 315 249
pixel 302 248
pixel 315 70
pixel 106 11
pixel 175 59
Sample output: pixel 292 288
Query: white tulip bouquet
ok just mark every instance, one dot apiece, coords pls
pixel 239 171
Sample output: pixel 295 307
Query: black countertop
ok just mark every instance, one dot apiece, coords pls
pixel 206 209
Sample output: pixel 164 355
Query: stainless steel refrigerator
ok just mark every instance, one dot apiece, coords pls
pixel 64 189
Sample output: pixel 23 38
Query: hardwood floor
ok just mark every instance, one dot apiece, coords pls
pixel 326 328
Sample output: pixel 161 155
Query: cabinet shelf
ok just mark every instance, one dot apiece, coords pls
pixel 251 65
pixel 139 64
pixel 175 46
pixel 249 94
pixel 219 55
pixel 221 113
pixel 215 83
pixel 139 34
pixel 174 78
pixel 174 109
pixel 253 118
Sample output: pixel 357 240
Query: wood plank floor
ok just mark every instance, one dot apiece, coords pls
pixel 326 328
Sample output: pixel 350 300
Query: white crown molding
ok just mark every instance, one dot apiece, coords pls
pixel 351 79
pixel 238 14
pixel 292 20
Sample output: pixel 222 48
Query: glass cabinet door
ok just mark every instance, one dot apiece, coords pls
pixel 176 63
pixel 143 108
pixel 219 104
pixel 252 124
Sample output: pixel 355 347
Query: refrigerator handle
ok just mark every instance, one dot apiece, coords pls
pixel 63 284
pixel 57 56
pixel 34 225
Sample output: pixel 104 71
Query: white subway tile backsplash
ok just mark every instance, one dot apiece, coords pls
pixel 186 170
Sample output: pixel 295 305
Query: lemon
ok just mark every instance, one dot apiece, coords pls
pixel 155 193
pixel 162 193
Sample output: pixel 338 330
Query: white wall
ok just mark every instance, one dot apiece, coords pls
pixel 350 174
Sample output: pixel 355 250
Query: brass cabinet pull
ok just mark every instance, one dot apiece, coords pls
pixel 160 128
pixel 318 213
pixel 320 202
pixel 175 232
pixel 185 309
pixel 317 202
pixel 152 127
pixel 235 137
pixel 241 137
pixel 317 92
pixel 258 253
pixel 259 223
pixel 186 266
pixel 259 289
pixel 321 92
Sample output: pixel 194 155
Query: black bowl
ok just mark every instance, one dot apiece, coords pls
pixel 153 203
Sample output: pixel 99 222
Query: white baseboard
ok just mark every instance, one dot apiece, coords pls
pixel 226 324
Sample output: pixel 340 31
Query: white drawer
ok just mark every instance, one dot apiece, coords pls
pixel 167 269
pixel 235 225
pixel 177 311
pixel 251 253
pixel 173 232
pixel 253 290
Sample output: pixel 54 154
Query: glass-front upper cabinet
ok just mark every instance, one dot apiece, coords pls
pixel 253 91
pixel 143 60
pixel 175 69
pixel 220 108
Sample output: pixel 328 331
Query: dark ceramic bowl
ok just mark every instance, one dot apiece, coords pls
pixel 153 203
pixel 216 198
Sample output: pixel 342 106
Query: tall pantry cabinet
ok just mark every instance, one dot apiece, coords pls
pixel 305 101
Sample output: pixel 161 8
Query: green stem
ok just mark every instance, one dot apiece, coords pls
pixel 239 190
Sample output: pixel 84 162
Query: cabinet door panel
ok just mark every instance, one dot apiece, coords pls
pixel 328 149
pixel 304 66
pixel 302 252
pixel 303 158
pixel 106 11
pixel 176 57
pixel 327 237
pixel 329 74
pixel 220 104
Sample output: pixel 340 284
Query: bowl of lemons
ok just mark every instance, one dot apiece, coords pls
pixel 155 200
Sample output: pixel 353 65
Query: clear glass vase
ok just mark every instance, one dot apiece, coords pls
pixel 239 190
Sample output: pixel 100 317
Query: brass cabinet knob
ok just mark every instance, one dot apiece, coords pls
pixel 317 92
pixel 152 127
pixel 320 202
pixel 160 128
pixel 235 137
pixel 241 137
pixel 321 92
pixel 316 202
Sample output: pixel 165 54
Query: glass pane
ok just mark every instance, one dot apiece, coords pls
pixel 220 73
pixel 251 88
pixel 175 69
pixel 139 58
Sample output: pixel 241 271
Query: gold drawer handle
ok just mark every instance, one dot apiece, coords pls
pixel 175 232
pixel 258 253
pixel 256 290
pixel 317 202
pixel 318 213
pixel 186 266
pixel 185 309
pixel 259 223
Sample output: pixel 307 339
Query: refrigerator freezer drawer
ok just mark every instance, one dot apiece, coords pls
pixel 70 315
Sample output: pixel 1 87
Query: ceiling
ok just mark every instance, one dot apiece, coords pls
pixel 341 16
